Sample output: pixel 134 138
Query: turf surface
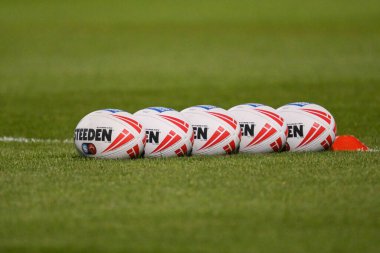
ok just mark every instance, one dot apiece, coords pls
pixel 61 60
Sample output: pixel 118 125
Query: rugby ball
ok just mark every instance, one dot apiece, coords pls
pixel 263 129
pixel 109 133
pixel 167 132
pixel 310 127
pixel 215 130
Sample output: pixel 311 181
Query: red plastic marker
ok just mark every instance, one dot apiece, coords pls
pixel 348 143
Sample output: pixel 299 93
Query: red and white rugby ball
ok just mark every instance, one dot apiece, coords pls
pixel 215 130
pixel 167 132
pixel 310 127
pixel 263 129
pixel 110 133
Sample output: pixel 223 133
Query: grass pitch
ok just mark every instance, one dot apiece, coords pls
pixel 61 60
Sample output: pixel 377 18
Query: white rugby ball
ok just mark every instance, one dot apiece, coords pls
pixel 110 133
pixel 310 127
pixel 263 129
pixel 215 130
pixel 167 132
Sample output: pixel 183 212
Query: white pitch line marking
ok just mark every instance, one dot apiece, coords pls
pixel 32 140
pixel 70 141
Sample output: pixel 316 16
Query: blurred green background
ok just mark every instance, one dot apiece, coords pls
pixel 62 59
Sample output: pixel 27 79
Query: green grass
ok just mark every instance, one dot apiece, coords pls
pixel 54 201
pixel 62 59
